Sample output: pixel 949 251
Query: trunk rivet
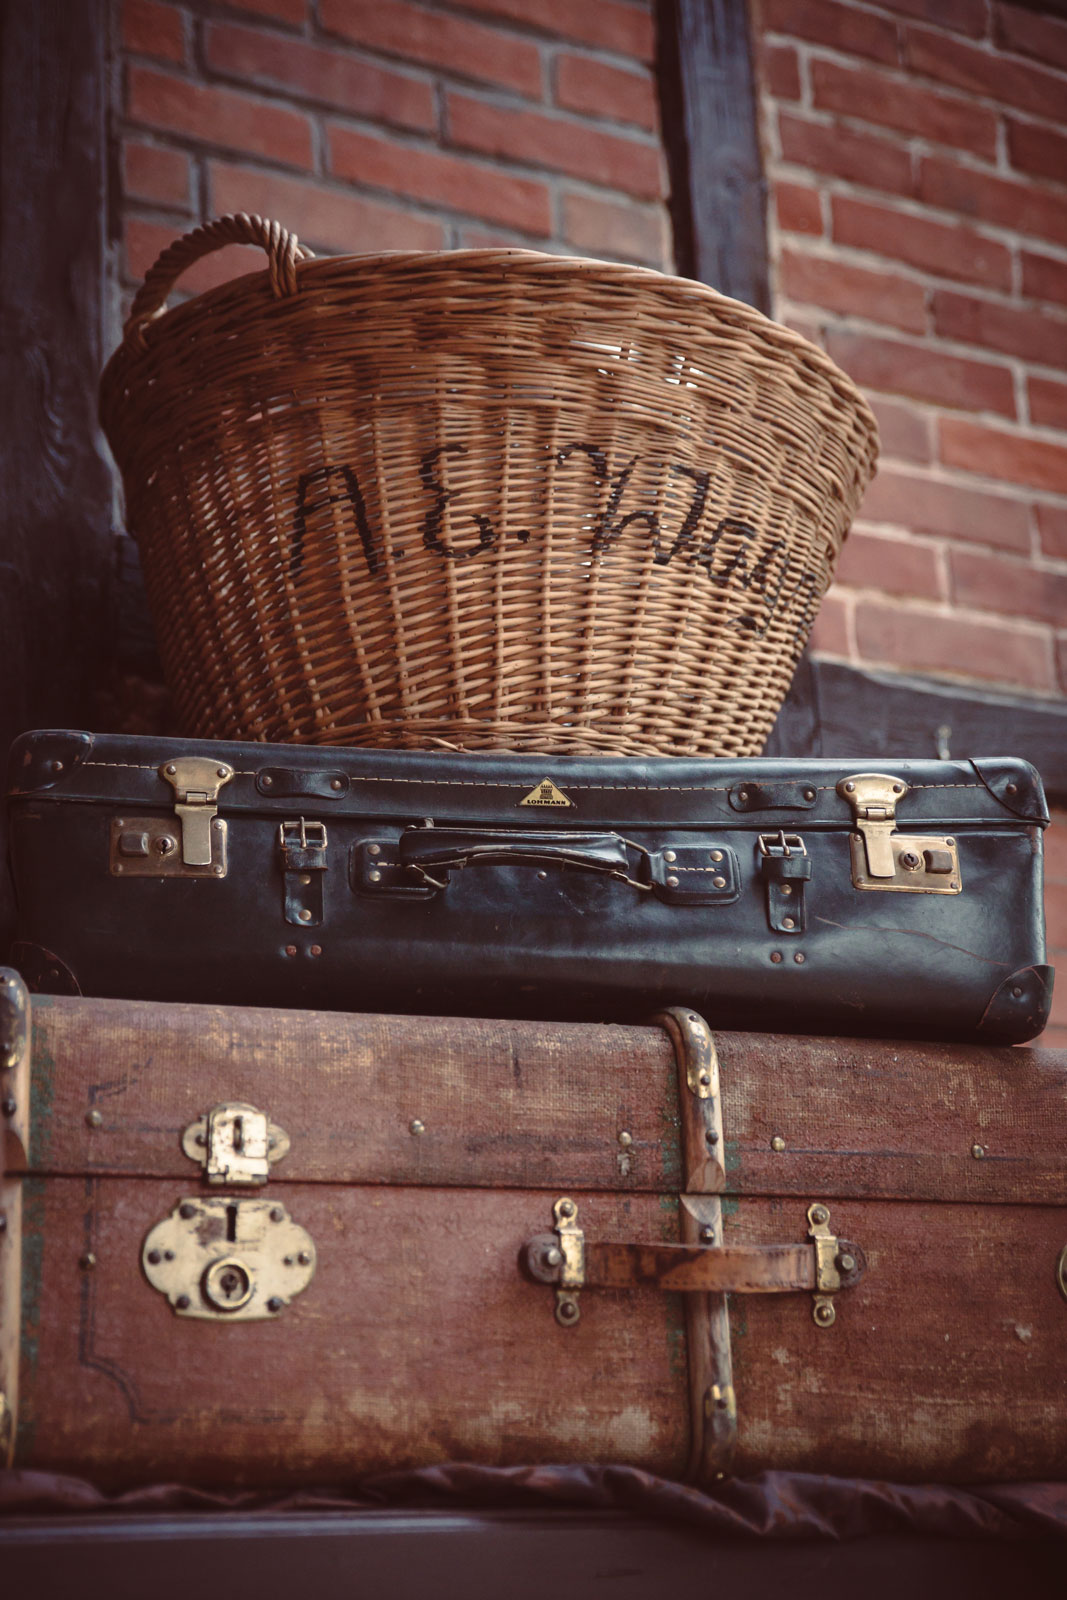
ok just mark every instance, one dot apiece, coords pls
pixel 416 1127
pixel 711 1137
pixel 707 1235
pixel 672 883
pixel 87 1262
pixel 977 1151
pixel 626 1140
pixel 187 1210
pixel 776 956
pixel 778 1143
pixel 277 1214
pixel 182 1302
pixel 274 1304
pixel 820 1214
pixel 93 1119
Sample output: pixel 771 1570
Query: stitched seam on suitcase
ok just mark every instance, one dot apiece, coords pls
pixel 478 783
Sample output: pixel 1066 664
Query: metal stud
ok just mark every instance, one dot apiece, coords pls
pixel 778 1144
pixel 93 1119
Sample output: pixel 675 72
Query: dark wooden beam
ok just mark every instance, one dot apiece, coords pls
pixel 836 710
pixel 711 134
pixel 55 522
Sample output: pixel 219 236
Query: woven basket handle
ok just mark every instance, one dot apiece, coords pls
pixel 283 250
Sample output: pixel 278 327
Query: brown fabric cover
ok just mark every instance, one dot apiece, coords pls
pixel 774 1505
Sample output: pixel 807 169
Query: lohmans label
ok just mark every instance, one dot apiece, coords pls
pixel 546 794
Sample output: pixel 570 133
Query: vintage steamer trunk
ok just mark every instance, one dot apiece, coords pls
pixel 277 1246
pixel 811 896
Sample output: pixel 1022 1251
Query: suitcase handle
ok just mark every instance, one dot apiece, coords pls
pixel 453 847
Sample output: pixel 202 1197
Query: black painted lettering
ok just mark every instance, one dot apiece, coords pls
pixel 308 502
pixel 435 516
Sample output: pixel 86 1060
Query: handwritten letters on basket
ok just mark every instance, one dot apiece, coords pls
pixel 774 580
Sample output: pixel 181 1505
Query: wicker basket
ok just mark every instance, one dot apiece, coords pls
pixel 482 499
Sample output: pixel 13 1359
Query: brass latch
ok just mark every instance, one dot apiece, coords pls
pixel 571 1262
pixel 196 781
pixel 228 1260
pixel 235 1143
pixel 884 859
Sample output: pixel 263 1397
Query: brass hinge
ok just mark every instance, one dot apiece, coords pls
pixel 235 1143
pixel 196 781
pixel 884 859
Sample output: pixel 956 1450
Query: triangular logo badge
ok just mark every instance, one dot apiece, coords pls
pixel 546 794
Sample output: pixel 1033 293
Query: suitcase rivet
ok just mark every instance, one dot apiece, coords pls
pixel 716 855
pixel 222 772
pixel 1017 990
pixel 778 1144
pixel 776 956
pixel 182 1302
pixel 305 915
pixel 374 849
pixel 567 1310
pixel 711 1137
pixel 375 877
pixel 93 1119
pixel 809 794
pixel 316 950
pixel 977 1151
pixel 87 1262
pixel 566 1208
pixel 266 781
pixel 786 889
pixel 186 1210
pixel 787 922
pixel 277 1214
pixel 416 1127
pixel 542 874
pixel 1010 788
pixel 669 855
pixel 824 1314
pixel 220 872
pixel 819 1214
pixel 274 1304
pixel 626 1140
pixel 719 883
pixel 171 768
pixel 57 766
pixel 672 883
pixel 705 1078
pixel 800 958
pixel 290 949
pixel 335 783
pixel 707 1235
pixel 305 877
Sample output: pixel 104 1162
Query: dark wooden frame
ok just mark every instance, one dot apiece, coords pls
pixel 718 205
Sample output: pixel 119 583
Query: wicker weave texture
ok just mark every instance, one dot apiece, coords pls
pixel 482 499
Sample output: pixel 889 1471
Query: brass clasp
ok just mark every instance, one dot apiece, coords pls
pixel 884 859
pixel 235 1143
pixel 196 781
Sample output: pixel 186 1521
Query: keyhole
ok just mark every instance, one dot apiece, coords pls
pixel 231 1224
pixel 230 1284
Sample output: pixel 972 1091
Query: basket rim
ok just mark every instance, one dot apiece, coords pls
pixel 127 357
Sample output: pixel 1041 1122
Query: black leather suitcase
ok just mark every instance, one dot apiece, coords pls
pixel 898 899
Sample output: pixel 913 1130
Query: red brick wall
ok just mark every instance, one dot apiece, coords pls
pixel 917 152
pixel 917 158
pixel 390 124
